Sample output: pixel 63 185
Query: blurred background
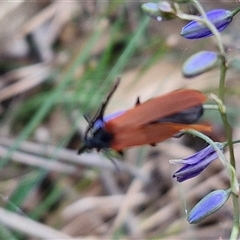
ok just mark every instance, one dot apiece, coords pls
pixel 58 60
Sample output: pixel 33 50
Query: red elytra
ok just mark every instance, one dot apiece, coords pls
pixel 140 125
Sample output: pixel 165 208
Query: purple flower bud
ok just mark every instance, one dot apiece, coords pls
pixel 199 63
pixel 196 163
pixel 208 205
pixel 219 17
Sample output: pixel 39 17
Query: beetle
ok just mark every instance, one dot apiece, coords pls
pixel 147 123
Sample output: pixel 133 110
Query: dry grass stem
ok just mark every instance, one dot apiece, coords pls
pixel 70 156
pixel 29 226
pixel 36 77
pixel 36 161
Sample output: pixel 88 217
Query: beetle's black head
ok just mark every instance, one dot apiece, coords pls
pixel 100 139
pixel 96 136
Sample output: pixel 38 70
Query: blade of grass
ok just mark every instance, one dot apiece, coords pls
pixel 29 227
pixel 49 102
pixel 5 233
pixel 122 61
pixel 49 201
pixel 23 190
pixel 26 184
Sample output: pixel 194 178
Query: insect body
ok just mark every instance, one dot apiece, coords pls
pixel 147 123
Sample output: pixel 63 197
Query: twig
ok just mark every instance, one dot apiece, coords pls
pixel 37 161
pixel 70 156
pixel 29 226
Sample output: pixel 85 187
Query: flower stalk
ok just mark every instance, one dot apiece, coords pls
pixel 210 24
pixel 228 130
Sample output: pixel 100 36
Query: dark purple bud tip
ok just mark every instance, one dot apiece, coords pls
pixel 219 17
pixel 199 63
pixel 208 205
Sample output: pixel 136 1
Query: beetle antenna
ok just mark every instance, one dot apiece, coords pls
pixel 100 112
pixel 82 149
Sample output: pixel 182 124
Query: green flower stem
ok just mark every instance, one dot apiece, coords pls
pixel 230 166
pixel 228 130
pixel 234 142
pixel 223 71
pixel 235 11
pixel 222 110
pixel 211 107
pixel 235 232
pixel 188 17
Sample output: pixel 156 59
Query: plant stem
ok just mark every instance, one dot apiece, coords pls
pixel 224 117
pixel 231 165
pixel 236 141
pixel 235 11
pixel 228 129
